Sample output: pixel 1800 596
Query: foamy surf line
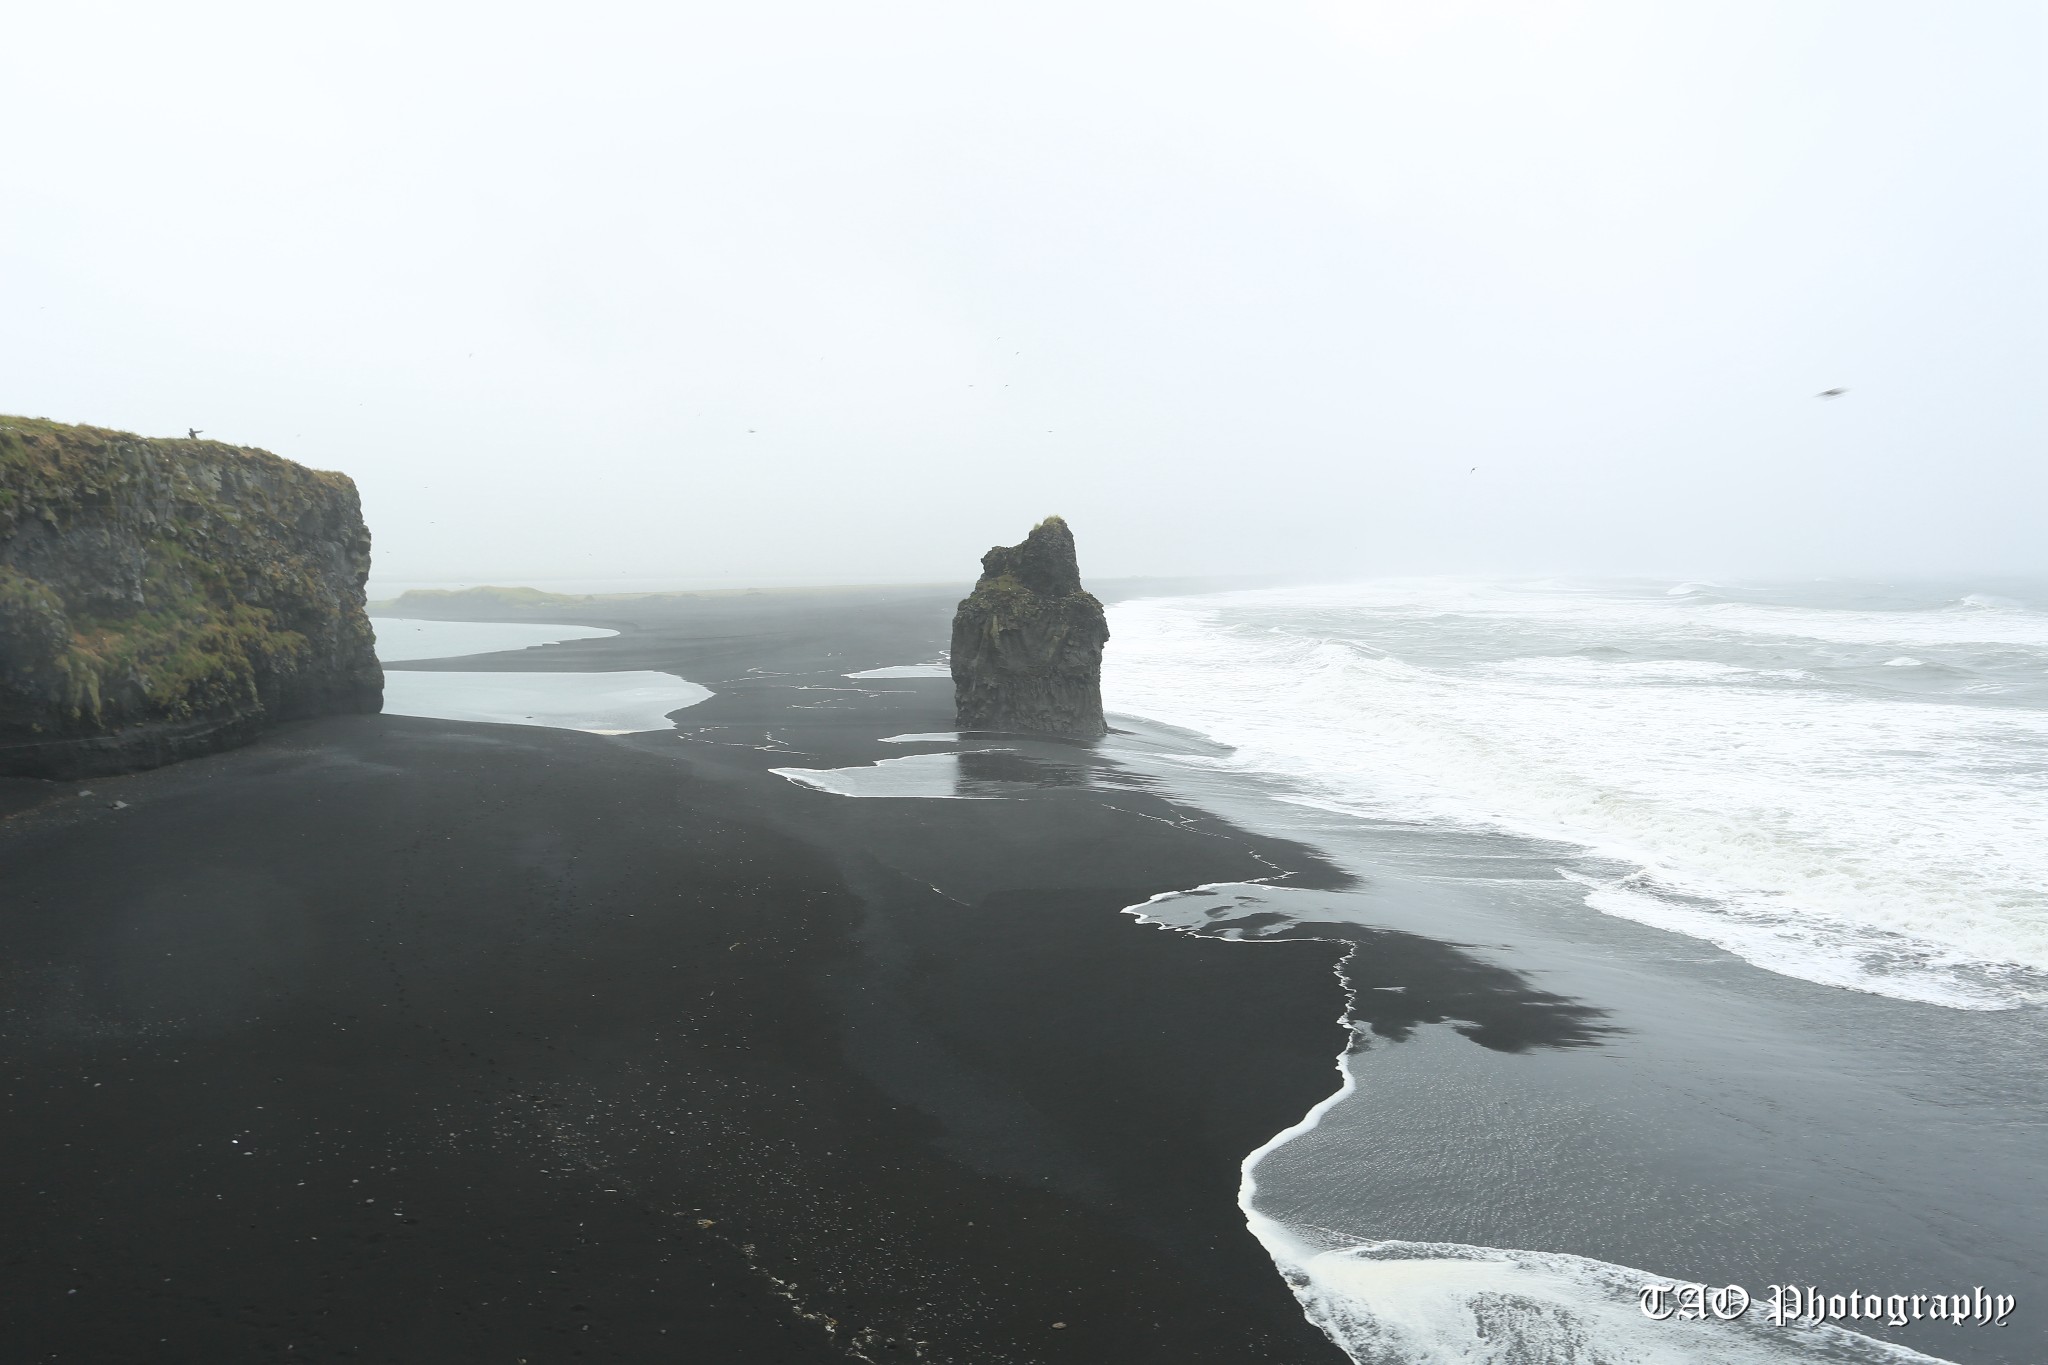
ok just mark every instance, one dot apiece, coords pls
pixel 1440 1303
pixel 1859 840
pixel 1392 1302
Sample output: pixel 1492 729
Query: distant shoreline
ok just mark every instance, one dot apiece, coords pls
pixel 397 598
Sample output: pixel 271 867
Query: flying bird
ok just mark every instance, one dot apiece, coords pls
pixel 1830 393
pixel 191 433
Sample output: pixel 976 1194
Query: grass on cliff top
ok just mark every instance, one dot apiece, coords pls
pixel 39 456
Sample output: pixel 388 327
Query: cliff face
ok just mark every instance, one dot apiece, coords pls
pixel 160 599
pixel 1027 643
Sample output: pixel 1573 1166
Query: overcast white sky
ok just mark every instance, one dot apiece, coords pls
pixel 834 292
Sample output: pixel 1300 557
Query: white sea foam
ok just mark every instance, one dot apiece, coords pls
pixel 1822 829
pixel 1438 1303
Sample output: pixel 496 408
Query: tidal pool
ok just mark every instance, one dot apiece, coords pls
pixel 618 703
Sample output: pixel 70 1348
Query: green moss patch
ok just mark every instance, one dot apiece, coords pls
pixel 165 580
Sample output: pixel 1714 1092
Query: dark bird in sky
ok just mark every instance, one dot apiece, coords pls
pixel 1830 393
pixel 191 433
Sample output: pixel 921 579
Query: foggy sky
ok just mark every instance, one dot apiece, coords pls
pixel 827 292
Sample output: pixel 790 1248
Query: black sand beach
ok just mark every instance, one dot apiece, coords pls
pixel 406 1040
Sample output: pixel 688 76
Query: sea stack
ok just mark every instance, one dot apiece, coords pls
pixel 1027 642
pixel 162 598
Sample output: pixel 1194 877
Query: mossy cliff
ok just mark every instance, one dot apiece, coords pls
pixel 1027 643
pixel 162 598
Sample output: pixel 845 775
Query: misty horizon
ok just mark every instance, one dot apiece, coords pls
pixel 1315 291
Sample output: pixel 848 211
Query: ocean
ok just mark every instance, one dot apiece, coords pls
pixel 1748 890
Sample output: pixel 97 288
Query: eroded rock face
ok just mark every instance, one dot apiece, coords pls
pixel 161 599
pixel 1027 642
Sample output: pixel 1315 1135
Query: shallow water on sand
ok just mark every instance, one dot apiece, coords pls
pixel 1614 1109
pixel 614 703
pixel 598 703
pixel 973 766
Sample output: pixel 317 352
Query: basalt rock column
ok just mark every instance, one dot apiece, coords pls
pixel 1027 642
